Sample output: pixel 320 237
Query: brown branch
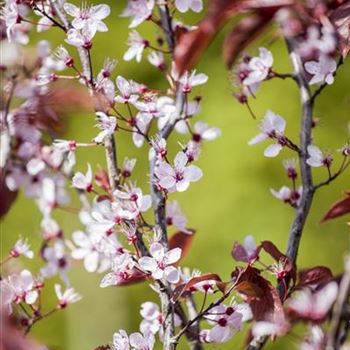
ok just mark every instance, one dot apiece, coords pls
pixel 302 210
pixel 159 202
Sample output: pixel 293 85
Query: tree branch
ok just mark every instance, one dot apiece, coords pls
pixel 85 59
pixel 159 202
pixel 302 210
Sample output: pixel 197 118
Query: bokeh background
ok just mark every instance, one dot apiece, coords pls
pixel 232 200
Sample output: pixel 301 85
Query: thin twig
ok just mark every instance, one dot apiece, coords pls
pixel 334 176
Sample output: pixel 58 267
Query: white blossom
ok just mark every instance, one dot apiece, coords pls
pixel 159 264
pixel 322 70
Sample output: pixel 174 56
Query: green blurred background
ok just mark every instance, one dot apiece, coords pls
pixel 231 201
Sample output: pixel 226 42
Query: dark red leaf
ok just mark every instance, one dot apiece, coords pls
pixel 247 30
pixel 316 275
pixel 268 305
pixel 102 180
pixel 192 44
pixel 249 289
pixel 135 277
pixel 239 253
pixel 7 197
pixel 12 338
pixel 341 20
pixel 181 240
pixel 271 249
pixel 179 290
pixel 339 208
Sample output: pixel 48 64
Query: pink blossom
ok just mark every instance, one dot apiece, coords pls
pixel 159 264
pixel 139 10
pixel 122 269
pixel 157 59
pixel 203 132
pixel 192 150
pixel 259 67
pixel 152 319
pixel 18 288
pixel 290 166
pixel 158 149
pixel 83 182
pixel 90 17
pixel 69 296
pixel 134 194
pixel 175 217
pixel 120 340
pixel 248 252
pixel 288 195
pixel 142 121
pixel 273 329
pixel 62 54
pixel 105 215
pixel 188 81
pixel 140 341
pixel 81 38
pixel 50 228
pixel 106 124
pixel 185 5
pixel 126 91
pixel 315 341
pixel 136 45
pixel 314 306
pixel 162 108
pixel 322 42
pixel 87 249
pixel 178 177
pixel 56 261
pixel 317 158
pixel 322 70
pixel 226 320
pixel 272 126
pixel 22 247
pixel 128 167
pixel 136 341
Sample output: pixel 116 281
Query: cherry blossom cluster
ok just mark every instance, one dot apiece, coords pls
pixel 130 235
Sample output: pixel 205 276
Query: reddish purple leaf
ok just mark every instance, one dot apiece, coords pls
pixel 317 275
pixel 246 31
pixel 239 253
pixel 181 240
pixel 102 180
pixel 339 208
pixel 268 305
pixel 191 45
pixel 7 197
pixel 341 20
pixel 272 250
